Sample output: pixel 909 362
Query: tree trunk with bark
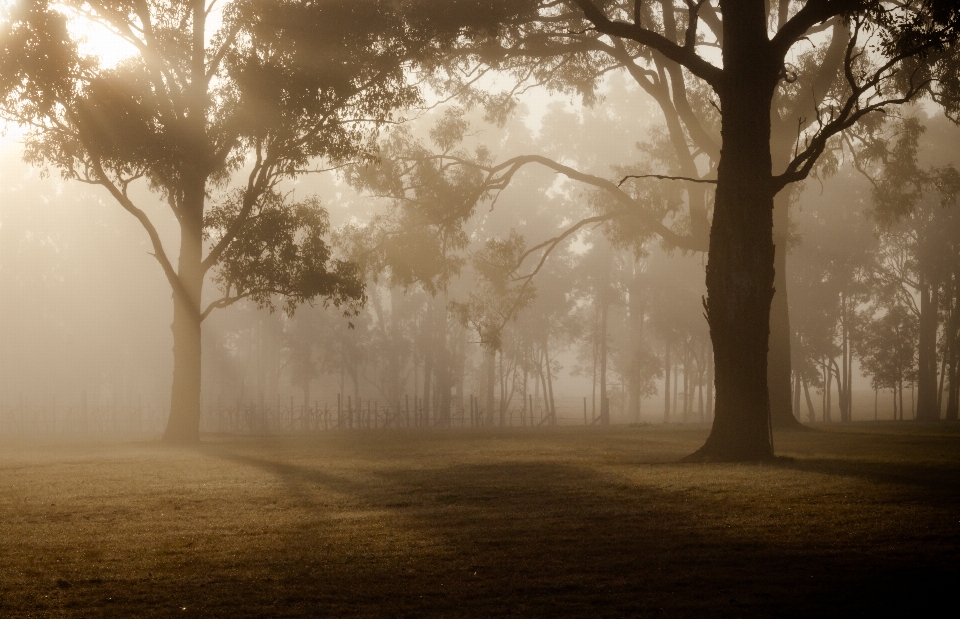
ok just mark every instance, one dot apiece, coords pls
pixel 740 271
pixel 183 425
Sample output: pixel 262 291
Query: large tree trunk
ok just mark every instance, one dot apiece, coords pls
pixel 740 270
pixel 927 353
pixel 183 425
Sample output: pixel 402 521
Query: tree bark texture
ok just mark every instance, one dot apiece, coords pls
pixel 740 271
pixel 183 425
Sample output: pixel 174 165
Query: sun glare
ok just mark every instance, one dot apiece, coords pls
pixel 98 40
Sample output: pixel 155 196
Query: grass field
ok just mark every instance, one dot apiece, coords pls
pixel 567 522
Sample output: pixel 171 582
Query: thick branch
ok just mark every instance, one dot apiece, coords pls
pixel 679 54
pixel 501 174
pixel 158 252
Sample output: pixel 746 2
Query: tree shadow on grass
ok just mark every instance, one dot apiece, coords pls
pixel 545 539
pixel 931 482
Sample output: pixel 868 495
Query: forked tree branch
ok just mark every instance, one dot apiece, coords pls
pixel 158 252
pixel 682 55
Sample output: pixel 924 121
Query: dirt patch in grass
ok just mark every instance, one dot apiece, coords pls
pixel 566 522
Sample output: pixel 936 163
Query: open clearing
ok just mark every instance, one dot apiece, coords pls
pixel 561 522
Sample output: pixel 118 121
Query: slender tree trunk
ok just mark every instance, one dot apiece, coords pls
pixel 636 346
pixel 927 353
pixel 549 392
pixel 811 414
pixel 942 378
pixel 502 409
pixel 183 425
pixel 782 414
pixel 490 374
pixel 740 271
pixel 676 390
pixel 428 366
pixel 843 384
pixel 666 382
pixel 952 337
pixel 796 394
pixel 604 400
pixel 828 403
pixel 444 367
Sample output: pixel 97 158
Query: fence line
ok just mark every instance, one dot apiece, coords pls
pixel 19 417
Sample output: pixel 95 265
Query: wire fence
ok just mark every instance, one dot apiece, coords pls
pixel 21 417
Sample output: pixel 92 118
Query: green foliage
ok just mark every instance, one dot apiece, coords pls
pixel 889 347
pixel 38 59
pixel 281 251
pixel 902 182
pixel 431 197
pixel 499 296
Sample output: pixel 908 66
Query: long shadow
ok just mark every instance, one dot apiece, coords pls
pixel 544 539
pixel 933 481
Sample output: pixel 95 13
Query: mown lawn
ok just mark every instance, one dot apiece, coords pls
pixel 567 522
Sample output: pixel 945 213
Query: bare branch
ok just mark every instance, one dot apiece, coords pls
pixel 663 177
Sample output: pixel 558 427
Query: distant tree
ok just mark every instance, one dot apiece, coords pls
pixel 914 206
pixel 495 301
pixel 889 352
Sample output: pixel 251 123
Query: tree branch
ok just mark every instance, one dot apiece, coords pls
pixel 684 56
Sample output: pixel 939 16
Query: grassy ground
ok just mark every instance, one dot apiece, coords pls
pixel 555 523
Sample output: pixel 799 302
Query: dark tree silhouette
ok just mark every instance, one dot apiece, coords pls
pixel 894 52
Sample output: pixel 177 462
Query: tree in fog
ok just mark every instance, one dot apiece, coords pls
pixel 494 302
pixel 915 207
pixel 893 52
pixel 831 267
pixel 188 110
pixel 888 351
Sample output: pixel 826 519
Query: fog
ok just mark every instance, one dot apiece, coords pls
pixel 493 308
pixel 85 310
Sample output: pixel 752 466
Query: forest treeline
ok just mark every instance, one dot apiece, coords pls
pixel 221 111
pixel 854 275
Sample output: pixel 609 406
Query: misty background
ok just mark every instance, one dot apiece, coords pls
pixel 85 309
